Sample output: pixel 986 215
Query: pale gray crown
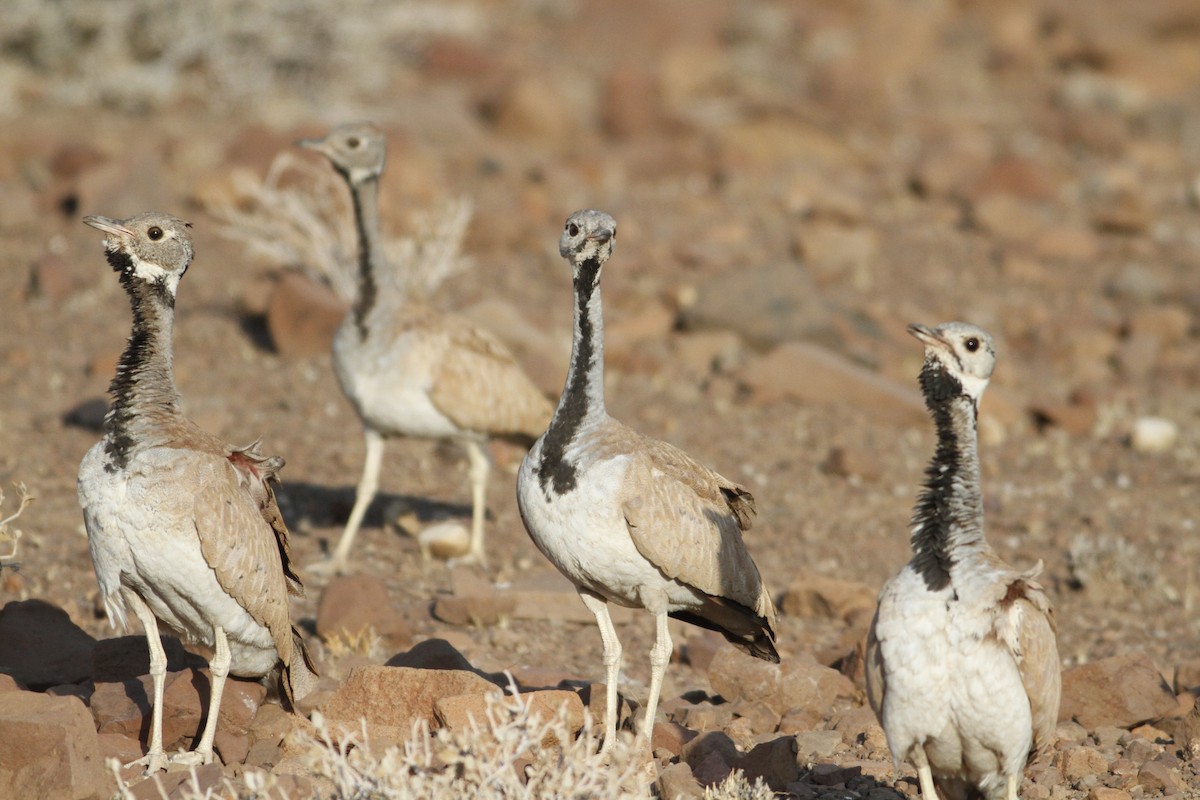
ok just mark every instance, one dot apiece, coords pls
pixel 588 234
pixel 357 150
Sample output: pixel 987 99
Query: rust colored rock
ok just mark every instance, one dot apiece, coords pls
pixel 809 373
pixel 1121 691
pixel 351 604
pixel 818 596
pixel 302 315
pixel 49 749
pixel 391 699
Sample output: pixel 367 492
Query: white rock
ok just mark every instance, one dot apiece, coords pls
pixel 1154 434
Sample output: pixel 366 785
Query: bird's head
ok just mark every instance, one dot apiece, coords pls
pixel 152 247
pixel 959 359
pixel 357 150
pixel 588 238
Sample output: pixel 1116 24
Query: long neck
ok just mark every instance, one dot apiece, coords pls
pixel 365 194
pixel 144 393
pixel 948 518
pixel 582 400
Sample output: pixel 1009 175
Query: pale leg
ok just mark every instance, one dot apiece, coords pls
pixel 612 663
pixel 218 665
pixel 1013 780
pixel 660 655
pixel 367 486
pixel 925 778
pixel 154 759
pixel 480 467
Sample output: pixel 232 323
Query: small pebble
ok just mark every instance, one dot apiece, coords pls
pixel 1154 435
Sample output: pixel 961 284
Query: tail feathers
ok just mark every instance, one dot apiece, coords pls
pixel 753 634
pixel 299 676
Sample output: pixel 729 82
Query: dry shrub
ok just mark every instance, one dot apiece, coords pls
pixel 512 754
pixel 8 533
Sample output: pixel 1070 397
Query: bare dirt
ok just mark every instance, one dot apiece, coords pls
pixel 1033 167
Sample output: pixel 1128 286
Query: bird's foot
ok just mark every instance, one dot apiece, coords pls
pixel 471 558
pixel 153 762
pixel 190 758
pixel 327 568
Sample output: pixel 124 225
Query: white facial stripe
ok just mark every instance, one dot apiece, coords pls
pixel 149 271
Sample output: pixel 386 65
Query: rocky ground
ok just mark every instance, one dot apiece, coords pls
pixel 794 182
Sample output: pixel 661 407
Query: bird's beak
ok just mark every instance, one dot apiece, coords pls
pixel 602 236
pixel 927 336
pixel 311 144
pixel 107 225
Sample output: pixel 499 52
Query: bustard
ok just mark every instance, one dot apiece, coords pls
pixel 183 527
pixel 962 665
pixel 629 519
pixel 410 370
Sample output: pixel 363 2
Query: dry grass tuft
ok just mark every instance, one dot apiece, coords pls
pixel 512 754
pixel 7 532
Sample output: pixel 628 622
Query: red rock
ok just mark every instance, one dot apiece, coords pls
pixel 1078 762
pixel 302 315
pixel 807 684
pixel 811 595
pixel 548 595
pixel 671 736
pixel 529 108
pixel 1121 691
pixel 701 647
pixel 1108 793
pixel 594 698
pixel 124 707
pixel 817 745
pixel 455 57
pixel 49 749
pixel 41 647
pixel 766 305
pixel 811 374
pixel 231 747
pixel 10 684
pixel 1155 776
pixel 711 756
pixel 351 604
pixel 677 782
pixel 630 103
pixel 547 704
pixel 391 699
pixel 463 712
pixel 773 761
pixel 124 749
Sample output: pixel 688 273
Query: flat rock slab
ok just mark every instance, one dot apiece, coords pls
pixel 812 374
pixel 391 699
pixel 49 749
pixel 1120 691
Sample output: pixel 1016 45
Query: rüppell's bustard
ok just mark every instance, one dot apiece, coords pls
pixel 183 527
pixel 631 520
pixel 962 665
pixel 411 370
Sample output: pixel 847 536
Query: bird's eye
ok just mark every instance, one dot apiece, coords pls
pixel 971 344
pixel 572 229
pixel 353 142
pixel 155 233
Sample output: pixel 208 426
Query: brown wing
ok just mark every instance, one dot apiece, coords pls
pixel 257 474
pixel 480 387
pixel 240 545
pixel 1041 670
pixel 687 520
pixel 1029 631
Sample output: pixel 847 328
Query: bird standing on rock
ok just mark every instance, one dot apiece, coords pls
pixel 183 527
pixel 631 520
pixel 410 370
pixel 962 665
